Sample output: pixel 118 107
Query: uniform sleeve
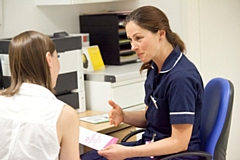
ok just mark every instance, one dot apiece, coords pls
pixel 182 98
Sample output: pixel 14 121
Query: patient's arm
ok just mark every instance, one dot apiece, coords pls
pixel 68 134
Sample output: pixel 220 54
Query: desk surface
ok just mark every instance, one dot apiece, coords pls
pixel 101 127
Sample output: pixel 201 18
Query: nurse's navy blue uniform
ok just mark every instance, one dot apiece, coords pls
pixel 173 96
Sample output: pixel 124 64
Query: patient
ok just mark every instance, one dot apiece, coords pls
pixel 34 124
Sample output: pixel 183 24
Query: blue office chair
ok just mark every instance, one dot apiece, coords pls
pixel 215 122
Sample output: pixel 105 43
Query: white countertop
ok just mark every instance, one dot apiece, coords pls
pixel 118 73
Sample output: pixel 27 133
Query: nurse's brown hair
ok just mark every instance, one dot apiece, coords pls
pixel 153 19
pixel 27 58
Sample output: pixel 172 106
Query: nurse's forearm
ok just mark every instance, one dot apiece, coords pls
pixel 162 147
pixel 135 118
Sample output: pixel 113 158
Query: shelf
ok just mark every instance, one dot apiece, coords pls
pixel 69 2
pixel 121 31
pixel 129 58
pixel 126 52
pixel 107 31
pixel 124 41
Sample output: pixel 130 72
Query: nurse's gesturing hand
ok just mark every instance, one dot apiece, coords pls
pixel 115 114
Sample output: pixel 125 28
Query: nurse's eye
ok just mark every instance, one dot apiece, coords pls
pixel 138 38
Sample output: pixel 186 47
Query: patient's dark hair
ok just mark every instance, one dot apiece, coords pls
pixel 153 19
pixel 27 58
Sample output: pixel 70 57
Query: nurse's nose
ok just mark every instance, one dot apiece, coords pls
pixel 134 46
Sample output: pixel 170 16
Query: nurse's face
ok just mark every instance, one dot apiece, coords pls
pixel 143 42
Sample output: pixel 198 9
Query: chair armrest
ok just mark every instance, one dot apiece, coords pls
pixel 132 134
pixel 203 154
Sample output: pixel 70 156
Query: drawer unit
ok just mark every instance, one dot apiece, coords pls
pixel 122 84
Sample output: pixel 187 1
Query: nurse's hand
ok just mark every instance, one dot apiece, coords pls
pixel 114 152
pixel 115 114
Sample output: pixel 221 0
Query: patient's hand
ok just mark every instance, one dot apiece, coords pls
pixel 115 114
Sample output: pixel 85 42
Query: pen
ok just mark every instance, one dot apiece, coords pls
pixel 154 102
pixel 154 135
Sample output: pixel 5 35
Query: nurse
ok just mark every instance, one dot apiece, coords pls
pixel 173 93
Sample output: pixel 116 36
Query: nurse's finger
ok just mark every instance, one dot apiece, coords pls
pixel 111 103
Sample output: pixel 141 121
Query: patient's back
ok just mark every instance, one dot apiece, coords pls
pixel 28 124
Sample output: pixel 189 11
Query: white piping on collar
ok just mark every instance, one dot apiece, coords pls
pixel 180 56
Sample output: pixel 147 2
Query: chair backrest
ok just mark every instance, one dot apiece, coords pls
pixel 216 117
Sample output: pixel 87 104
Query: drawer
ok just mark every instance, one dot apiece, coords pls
pixel 129 95
pixel 126 95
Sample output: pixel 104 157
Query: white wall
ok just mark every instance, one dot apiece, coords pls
pixel 1 18
pixel 213 40
pixel 211 30
pixel 220 54
pixel 24 15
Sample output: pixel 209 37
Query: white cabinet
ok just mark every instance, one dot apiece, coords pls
pixel 68 2
pixel 123 84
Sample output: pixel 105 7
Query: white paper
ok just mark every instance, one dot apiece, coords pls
pixel 100 118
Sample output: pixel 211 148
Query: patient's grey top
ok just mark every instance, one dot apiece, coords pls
pixel 28 124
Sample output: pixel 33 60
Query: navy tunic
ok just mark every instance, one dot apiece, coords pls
pixel 173 96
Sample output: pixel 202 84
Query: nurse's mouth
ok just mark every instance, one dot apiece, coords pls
pixel 139 55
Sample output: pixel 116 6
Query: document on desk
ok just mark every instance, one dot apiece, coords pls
pixel 100 118
pixel 94 139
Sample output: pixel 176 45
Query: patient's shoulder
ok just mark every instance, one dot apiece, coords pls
pixel 68 113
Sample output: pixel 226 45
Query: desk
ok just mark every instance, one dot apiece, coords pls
pixel 105 128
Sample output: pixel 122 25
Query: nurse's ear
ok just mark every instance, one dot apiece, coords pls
pixel 161 34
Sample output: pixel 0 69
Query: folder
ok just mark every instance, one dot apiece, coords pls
pixel 92 58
